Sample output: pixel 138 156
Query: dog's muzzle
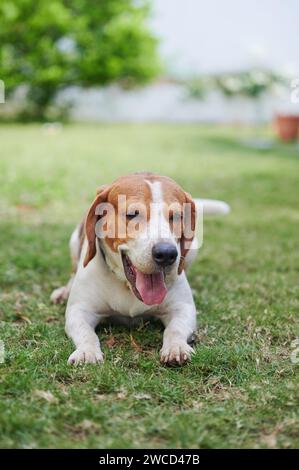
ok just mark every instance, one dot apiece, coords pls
pixel 164 254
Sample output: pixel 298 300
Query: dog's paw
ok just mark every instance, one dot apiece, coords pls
pixel 86 356
pixel 60 295
pixel 175 352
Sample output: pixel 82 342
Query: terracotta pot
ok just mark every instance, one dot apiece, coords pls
pixel 287 126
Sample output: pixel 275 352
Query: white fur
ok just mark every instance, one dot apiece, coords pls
pixel 97 294
pixel 158 226
pixel 212 206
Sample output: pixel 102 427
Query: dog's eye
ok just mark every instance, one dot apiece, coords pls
pixel 132 214
pixel 175 217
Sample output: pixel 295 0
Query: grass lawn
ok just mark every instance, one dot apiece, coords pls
pixel 241 388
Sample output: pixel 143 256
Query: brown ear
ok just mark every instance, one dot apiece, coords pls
pixel 184 240
pixel 90 223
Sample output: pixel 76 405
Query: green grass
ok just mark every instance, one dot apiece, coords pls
pixel 241 388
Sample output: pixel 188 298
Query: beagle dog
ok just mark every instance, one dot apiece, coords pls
pixel 129 258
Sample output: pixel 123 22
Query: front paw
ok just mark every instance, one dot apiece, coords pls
pixel 60 295
pixel 86 355
pixel 175 352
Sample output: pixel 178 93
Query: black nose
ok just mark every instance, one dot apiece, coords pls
pixel 164 254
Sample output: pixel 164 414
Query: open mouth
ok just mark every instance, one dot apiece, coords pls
pixel 149 288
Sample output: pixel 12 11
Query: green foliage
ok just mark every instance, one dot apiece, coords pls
pixel 49 45
pixel 241 389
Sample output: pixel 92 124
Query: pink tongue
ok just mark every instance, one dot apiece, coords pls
pixel 151 287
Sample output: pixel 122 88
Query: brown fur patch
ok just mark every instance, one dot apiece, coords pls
pixel 136 190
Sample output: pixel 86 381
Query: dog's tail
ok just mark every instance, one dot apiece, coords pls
pixel 212 207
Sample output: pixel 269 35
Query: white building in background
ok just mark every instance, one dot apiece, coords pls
pixel 196 37
pixel 169 102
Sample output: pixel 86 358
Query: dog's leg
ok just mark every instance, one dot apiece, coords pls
pixel 180 324
pixel 80 327
pixel 61 294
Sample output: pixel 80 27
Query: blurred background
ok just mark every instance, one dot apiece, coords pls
pixel 151 61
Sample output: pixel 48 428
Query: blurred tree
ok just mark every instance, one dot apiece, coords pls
pixel 51 44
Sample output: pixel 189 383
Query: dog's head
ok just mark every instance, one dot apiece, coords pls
pixel 144 224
